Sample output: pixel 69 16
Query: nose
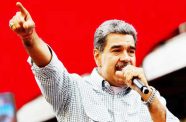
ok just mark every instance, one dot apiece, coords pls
pixel 125 57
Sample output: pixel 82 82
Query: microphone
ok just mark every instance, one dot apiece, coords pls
pixel 140 86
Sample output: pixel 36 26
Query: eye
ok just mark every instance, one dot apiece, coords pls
pixel 131 52
pixel 116 50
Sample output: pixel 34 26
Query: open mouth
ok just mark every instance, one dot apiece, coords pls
pixel 120 66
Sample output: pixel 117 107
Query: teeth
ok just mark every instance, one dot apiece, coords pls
pixel 119 67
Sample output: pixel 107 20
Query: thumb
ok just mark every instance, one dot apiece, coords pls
pixel 120 75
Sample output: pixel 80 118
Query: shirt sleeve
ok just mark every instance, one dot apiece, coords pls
pixel 169 116
pixel 55 83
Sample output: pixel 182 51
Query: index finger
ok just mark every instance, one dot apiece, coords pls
pixel 22 8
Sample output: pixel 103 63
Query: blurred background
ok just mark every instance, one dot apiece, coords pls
pixel 68 27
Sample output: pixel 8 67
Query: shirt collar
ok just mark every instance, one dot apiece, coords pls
pixel 96 78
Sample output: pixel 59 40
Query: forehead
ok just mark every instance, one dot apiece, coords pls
pixel 119 39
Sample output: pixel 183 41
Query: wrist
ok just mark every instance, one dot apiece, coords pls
pixel 148 99
pixel 28 38
pixel 27 35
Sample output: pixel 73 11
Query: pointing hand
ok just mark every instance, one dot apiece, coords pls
pixel 21 22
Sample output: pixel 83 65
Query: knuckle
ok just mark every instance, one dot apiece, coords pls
pixel 18 13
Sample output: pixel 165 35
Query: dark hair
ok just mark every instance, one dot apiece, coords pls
pixel 112 26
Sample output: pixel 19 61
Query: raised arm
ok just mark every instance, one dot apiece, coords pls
pixel 22 24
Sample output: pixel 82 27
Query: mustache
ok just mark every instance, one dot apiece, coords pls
pixel 121 65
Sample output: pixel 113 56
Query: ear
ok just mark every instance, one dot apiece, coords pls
pixel 97 57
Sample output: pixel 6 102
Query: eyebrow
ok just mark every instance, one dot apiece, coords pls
pixel 119 46
pixel 133 47
pixel 115 46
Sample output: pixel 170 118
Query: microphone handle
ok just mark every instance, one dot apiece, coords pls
pixel 141 86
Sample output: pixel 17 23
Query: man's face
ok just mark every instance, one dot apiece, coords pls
pixel 119 51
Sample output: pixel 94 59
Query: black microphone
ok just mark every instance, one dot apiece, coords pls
pixel 140 86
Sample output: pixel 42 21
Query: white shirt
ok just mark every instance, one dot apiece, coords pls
pixel 90 99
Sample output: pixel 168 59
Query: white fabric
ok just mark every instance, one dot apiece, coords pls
pixel 90 99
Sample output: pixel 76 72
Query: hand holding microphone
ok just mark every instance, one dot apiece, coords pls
pixel 134 78
pixel 140 86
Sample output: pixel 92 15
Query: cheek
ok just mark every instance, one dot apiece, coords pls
pixel 109 62
pixel 134 61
